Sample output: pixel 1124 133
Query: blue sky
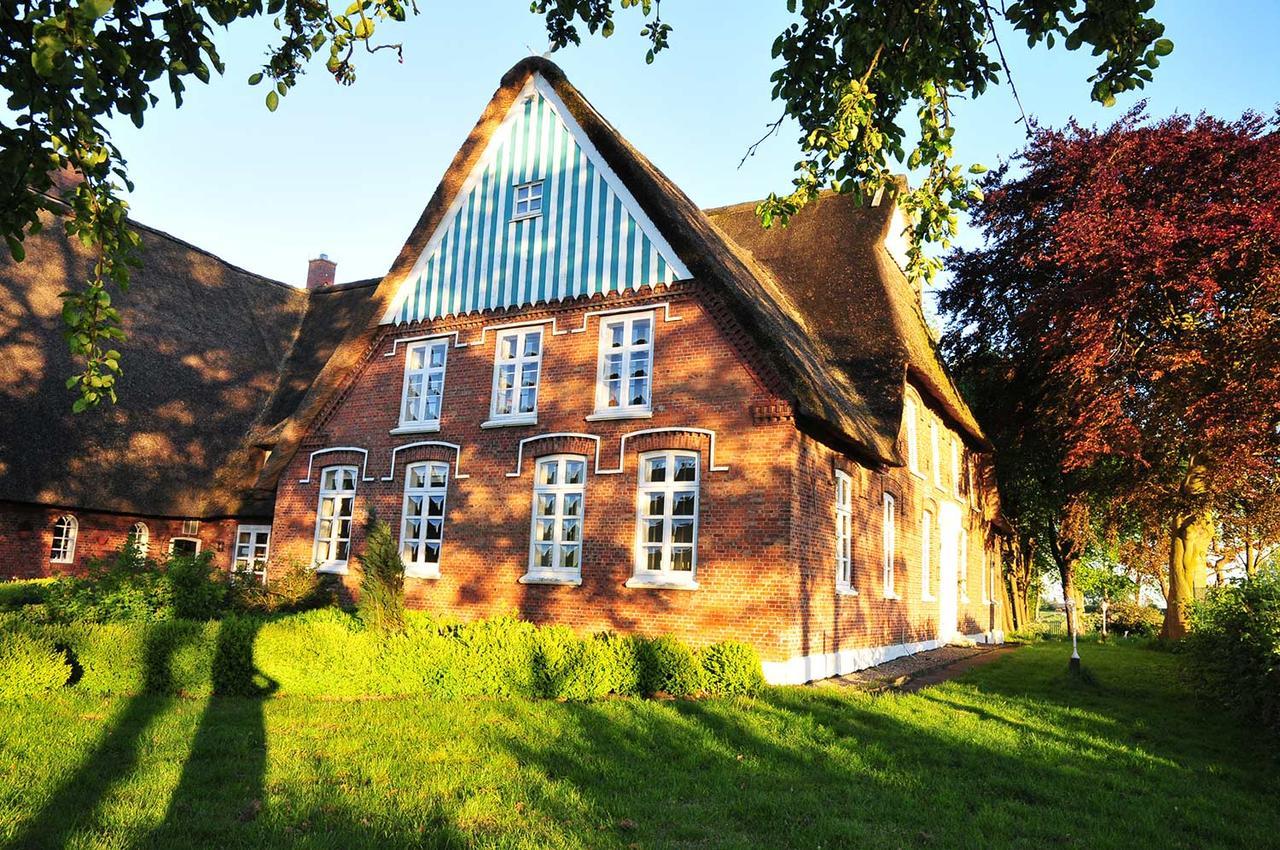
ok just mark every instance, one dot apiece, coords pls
pixel 347 170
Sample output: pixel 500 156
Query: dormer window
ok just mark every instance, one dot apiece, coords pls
pixel 526 201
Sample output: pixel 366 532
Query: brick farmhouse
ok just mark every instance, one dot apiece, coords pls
pixel 575 395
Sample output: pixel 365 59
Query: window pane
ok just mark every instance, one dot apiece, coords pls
pixel 655 469
pixel 435 506
pixel 682 531
pixel 507 347
pixel 417 357
pixel 682 504
pixel 574 471
pixel 439 475
pixel 544 554
pixel 431 553
pixel 640 332
pixel 570 533
pixel 613 367
pixel 616 331
pixel 547 472
pixel 435 529
pixel 653 558
pixel 437 355
pixel 686 468
pixel 546 504
pixel 532 342
pixel 682 560
pixel 569 557
pixel 653 531
pixel 572 504
pixel 544 529
pixel 417 477
pixel 656 503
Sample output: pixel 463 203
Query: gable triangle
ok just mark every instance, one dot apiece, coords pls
pixel 590 236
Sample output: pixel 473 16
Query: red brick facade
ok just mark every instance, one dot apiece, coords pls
pixel 26 538
pixel 765 551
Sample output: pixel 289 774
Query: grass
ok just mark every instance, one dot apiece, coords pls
pixel 1014 754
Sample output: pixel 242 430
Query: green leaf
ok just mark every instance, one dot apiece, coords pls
pixel 94 9
pixel 273 100
pixel 1162 47
pixel 254 79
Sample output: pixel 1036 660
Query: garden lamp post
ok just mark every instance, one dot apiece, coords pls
pixel 1074 626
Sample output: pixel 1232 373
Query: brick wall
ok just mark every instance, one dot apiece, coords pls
pixel 26 535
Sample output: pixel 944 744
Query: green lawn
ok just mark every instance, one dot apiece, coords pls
pixel 1012 755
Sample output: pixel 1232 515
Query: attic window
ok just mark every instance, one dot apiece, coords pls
pixel 526 200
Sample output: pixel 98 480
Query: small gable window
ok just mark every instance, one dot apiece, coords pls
pixel 250 556
pixel 624 377
pixel 517 363
pixel 63 548
pixel 422 521
pixel 140 537
pixel 423 385
pixel 526 200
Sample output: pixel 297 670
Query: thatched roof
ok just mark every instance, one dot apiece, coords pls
pixel 832 262
pixel 206 345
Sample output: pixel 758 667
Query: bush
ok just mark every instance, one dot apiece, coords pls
pixel 128 587
pixel 667 666
pixel 290 587
pixel 19 593
pixel 30 664
pixel 381 603
pixel 1234 647
pixel 731 668
pixel 1031 632
pixel 1136 620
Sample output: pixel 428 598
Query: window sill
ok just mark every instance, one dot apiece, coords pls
pixel 892 596
pixel 608 415
pixel 845 591
pixel 917 473
pixel 422 573
pixel 638 583
pixel 62 560
pixel 510 423
pixel 417 428
pixel 564 581
pixel 338 568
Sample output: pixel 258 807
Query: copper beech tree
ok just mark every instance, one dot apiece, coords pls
pixel 1134 271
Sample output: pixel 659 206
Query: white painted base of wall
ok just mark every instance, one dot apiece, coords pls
pixel 809 668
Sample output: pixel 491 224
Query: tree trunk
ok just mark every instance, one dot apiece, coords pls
pixel 1067 569
pixel 1017 582
pixel 1190 536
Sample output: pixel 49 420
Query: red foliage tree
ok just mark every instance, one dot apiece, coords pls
pixel 1136 271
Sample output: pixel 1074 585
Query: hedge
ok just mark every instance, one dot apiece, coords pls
pixel 328 653
pixel 20 592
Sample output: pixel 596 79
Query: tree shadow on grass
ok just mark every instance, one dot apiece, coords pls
pixel 113 760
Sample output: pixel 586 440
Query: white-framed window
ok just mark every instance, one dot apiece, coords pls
pixel 555 533
pixel 423 392
pixel 667 518
pixel 66 529
pixel 190 527
pixel 890 526
pixel 935 452
pixel 334 516
pixel 253 544
pixel 909 414
pixel 140 537
pixel 963 571
pixel 955 467
pixel 517 365
pixel 426 487
pixel 624 376
pixel 184 546
pixel 926 556
pixel 526 200
pixel 844 532
pixel 989 581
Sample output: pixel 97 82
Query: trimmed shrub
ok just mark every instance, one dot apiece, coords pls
pixel 1234 648
pixel 30 664
pixel 731 668
pixel 667 666
pixel 129 587
pixel 19 593
pixel 381 603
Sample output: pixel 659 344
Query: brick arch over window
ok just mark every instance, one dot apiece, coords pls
pixel 635 443
pixel 424 450
pixel 532 448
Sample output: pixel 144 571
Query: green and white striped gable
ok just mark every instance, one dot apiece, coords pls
pixel 590 237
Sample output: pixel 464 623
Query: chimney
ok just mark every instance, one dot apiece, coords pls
pixel 320 272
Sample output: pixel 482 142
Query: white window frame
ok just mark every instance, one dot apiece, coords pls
pixel 184 539
pixel 417 421
pixel 909 416
pixel 926 556
pixel 66 532
pixel 963 578
pixel 251 565
pixel 429 470
pixel 627 410
pixel 955 467
pixel 515 416
pixel 559 492
pixel 334 494
pixel 988 580
pixel 141 536
pixel 889 525
pixel 665 576
pixel 844 533
pixel 529 206
pixel 935 452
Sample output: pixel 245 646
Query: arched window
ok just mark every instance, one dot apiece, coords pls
pixel 63 548
pixel 140 536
